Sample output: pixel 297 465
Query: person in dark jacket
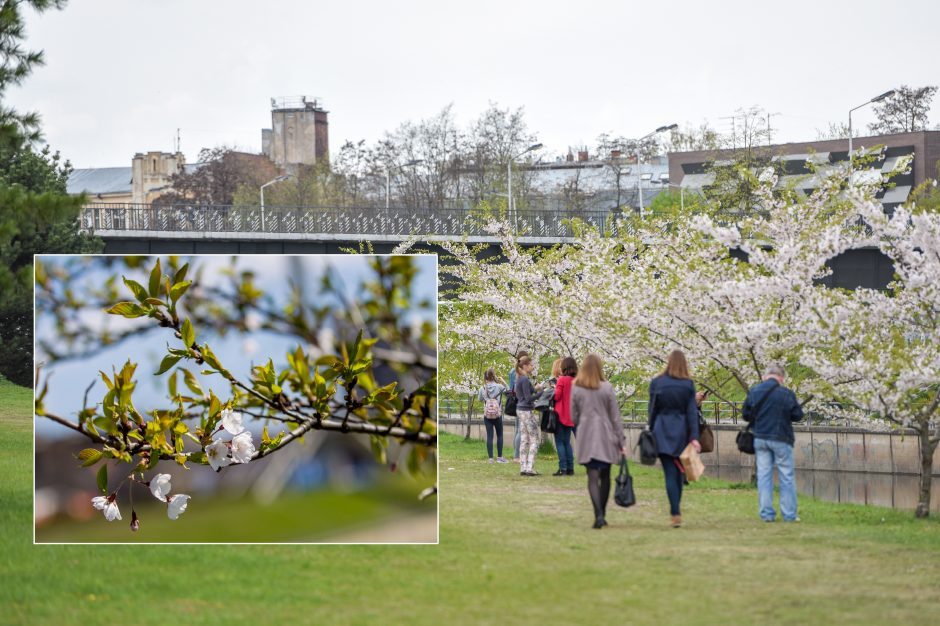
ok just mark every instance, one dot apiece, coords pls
pixel 771 408
pixel 673 420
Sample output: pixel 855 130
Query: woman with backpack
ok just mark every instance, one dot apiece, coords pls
pixel 673 420
pixel 594 411
pixel 564 428
pixel 491 395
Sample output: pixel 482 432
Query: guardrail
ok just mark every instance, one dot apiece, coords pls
pixel 355 221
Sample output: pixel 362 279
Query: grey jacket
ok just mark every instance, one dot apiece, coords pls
pixel 491 391
pixel 600 427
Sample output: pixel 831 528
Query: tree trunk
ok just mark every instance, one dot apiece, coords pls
pixel 469 418
pixel 926 469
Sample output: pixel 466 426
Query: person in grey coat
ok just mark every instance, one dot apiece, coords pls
pixel 600 441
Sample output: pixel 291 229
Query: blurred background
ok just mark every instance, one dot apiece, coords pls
pixel 326 487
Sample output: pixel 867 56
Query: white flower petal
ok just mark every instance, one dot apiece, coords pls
pixel 217 455
pixel 99 502
pixel 242 447
pixel 160 486
pixel 176 505
pixel 111 512
pixel 232 421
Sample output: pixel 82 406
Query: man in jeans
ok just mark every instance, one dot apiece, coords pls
pixel 771 408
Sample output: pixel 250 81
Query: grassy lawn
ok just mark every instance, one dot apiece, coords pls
pixel 512 549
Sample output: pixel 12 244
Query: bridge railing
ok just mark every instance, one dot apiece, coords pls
pixel 356 221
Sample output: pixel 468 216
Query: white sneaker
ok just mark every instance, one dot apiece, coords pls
pixel 502 460
pixel 490 460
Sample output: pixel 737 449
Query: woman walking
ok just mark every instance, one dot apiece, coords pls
pixel 528 422
pixel 569 369
pixel 595 413
pixel 673 420
pixel 491 395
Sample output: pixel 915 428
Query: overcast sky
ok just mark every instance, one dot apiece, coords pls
pixel 123 75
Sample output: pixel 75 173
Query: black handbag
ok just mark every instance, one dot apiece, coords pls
pixel 745 438
pixel 549 421
pixel 510 404
pixel 623 493
pixel 648 450
pixel 549 418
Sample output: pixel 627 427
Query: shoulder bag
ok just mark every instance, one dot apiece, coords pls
pixel 706 437
pixel 745 438
pixel 649 452
pixel 623 493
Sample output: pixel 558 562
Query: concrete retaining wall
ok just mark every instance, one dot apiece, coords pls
pixel 816 448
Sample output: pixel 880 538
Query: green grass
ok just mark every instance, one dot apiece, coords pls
pixel 513 550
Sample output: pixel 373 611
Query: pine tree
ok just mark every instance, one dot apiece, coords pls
pixel 36 214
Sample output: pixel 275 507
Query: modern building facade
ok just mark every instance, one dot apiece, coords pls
pixel 689 170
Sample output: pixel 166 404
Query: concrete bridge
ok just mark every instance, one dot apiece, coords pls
pixel 141 228
pixel 214 229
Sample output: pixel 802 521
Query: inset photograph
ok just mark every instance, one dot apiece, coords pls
pixel 236 399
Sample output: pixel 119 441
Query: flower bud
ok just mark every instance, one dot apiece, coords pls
pixel 135 523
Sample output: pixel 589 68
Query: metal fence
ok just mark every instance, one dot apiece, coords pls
pixel 354 221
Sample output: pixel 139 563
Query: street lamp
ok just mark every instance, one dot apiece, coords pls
pixel 883 96
pixel 639 181
pixel 534 146
pixel 388 178
pixel 270 182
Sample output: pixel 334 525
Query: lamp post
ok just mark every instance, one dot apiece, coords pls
pixel 639 175
pixel 534 146
pixel 388 177
pixel 270 182
pixel 883 96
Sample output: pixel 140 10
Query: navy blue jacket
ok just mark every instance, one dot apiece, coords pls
pixel 673 414
pixel 775 419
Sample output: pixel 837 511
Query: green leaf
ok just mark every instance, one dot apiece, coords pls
pixel 181 274
pixel 154 459
pixel 155 280
pixel 107 381
pixel 89 456
pixel 179 289
pixel 127 309
pixel 155 302
pixel 193 383
pixel 198 457
pixel 103 479
pixel 188 334
pixel 168 361
pixel 138 290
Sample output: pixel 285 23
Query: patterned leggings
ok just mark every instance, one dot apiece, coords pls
pixel 529 426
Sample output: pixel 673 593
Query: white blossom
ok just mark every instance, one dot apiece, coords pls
pixel 108 506
pixel 242 447
pixel 160 486
pixel 176 505
pixel 217 455
pixel 232 421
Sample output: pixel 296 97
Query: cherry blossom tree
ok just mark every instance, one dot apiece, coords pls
pixel 736 293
